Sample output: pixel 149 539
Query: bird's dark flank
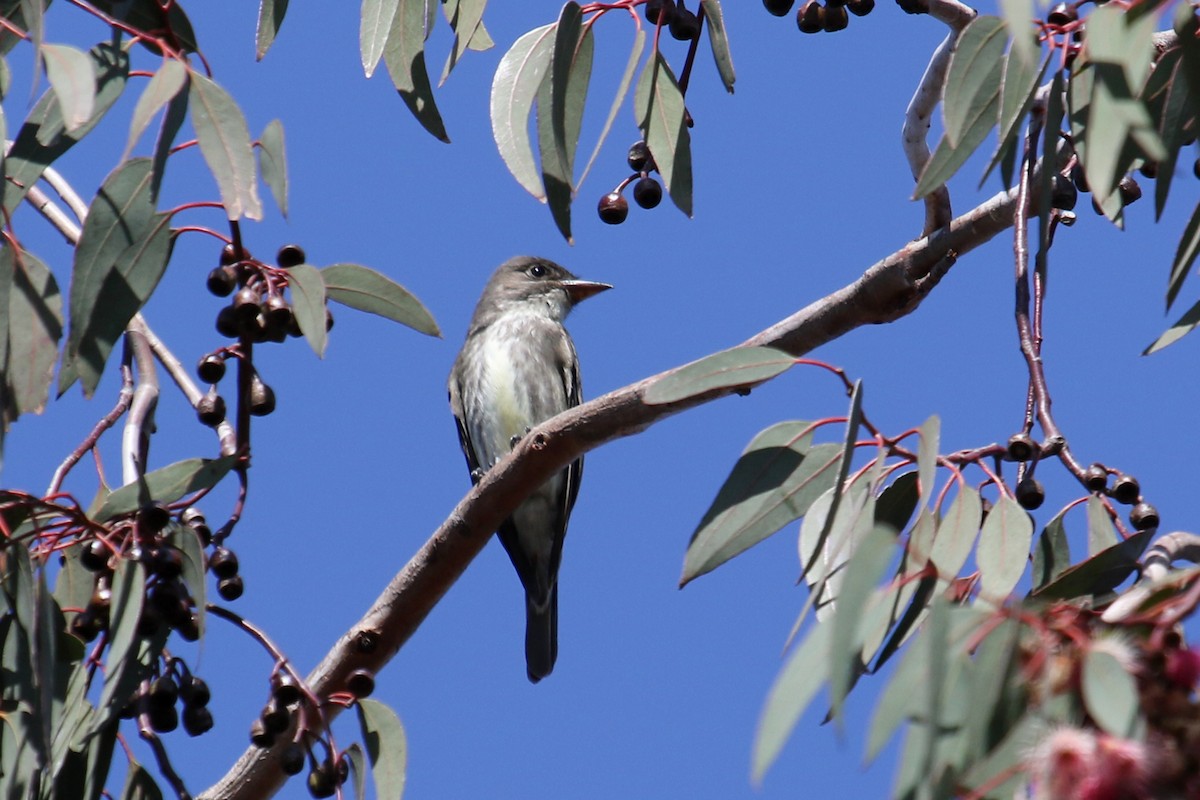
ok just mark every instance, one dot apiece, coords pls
pixel 517 369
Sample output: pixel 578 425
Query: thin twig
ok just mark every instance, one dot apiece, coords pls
pixel 124 397
pixel 135 440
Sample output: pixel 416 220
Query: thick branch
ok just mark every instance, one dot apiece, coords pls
pixel 887 290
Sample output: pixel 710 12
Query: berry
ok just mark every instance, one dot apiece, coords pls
pixel 811 17
pixel 223 563
pixel 153 517
pixel 192 516
pixel 361 683
pixel 1129 190
pixel 211 368
pixel 166 561
pixel 222 281
pixel 779 8
pixel 230 255
pixel 1064 195
pixel 685 25
pixel 87 626
pixel 262 397
pixel 322 782
pixel 197 720
pixel 278 312
pixel 343 769
pixel 1095 478
pixel 647 192
pixel 163 692
pixel 94 555
pixel 1062 14
pixel 227 322
pixel 328 320
pixel 275 717
pixel 245 303
pixel 284 689
pixel 260 736
pixel 660 12
pixel 163 719
pixel 211 409
pixel 613 208
pixel 291 760
pixel 1149 169
pixel 1126 489
pixel 1196 167
pixel 1030 493
pixel 836 18
pixel 290 255
pixel 1143 516
pixel 195 692
pixel 1021 447
pixel 230 589
pixel 860 8
pixel 639 157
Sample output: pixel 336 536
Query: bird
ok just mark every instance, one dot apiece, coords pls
pixel 517 369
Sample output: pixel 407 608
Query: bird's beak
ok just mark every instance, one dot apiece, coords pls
pixel 578 291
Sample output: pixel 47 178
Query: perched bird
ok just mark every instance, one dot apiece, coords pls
pixel 517 369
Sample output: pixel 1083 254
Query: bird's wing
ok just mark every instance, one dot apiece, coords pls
pixel 464 433
pixel 573 391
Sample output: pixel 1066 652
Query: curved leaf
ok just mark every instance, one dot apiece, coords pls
pixel 635 55
pixel 1053 552
pixel 386 746
pixel 930 440
pixel 1185 256
pixel 514 89
pixel 72 75
pixel 972 91
pixel 308 301
pixel 1003 551
pixel 270 17
pixel 34 328
pixel 719 42
pixel 404 57
pixel 947 157
pixel 162 88
pixel 794 688
pixel 465 20
pixel 662 118
pixel 956 533
pixel 1101 532
pixel 1109 692
pixel 1100 573
pixel 374 25
pixel 165 485
pixel 739 366
pixel 225 142
pixel 1182 327
pixel 272 161
pixel 560 112
pixel 367 290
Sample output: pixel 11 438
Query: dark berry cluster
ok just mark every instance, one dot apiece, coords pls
pixel 159 698
pixel 683 23
pixel 814 16
pixel 647 191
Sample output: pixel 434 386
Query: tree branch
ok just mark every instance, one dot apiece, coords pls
pixel 887 290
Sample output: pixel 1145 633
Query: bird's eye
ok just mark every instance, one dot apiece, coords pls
pixel 537 271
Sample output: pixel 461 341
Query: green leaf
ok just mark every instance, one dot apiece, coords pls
pixel 773 483
pixel 864 569
pixel 972 90
pixel 72 75
pixel 930 439
pixel 358 769
pixel 161 90
pixel 1052 556
pixel 225 143
pixel 375 23
pixel 367 290
pixel 1101 533
pixel 794 688
pixel 1018 18
pixel 194 565
pixel 1167 92
pixel 718 40
pixel 270 17
pixel 171 123
pixel 121 668
pixel 1003 551
pixel 1185 256
pixel 139 783
pixel 404 56
pixel 465 18
pixel 956 533
pixel 1017 90
pixel 514 89
pixel 560 112
pixel 947 158
pixel 897 502
pixel 147 15
pixel 272 162
pixel 29 155
pixel 121 256
pixel 1182 327
pixel 829 539
pixel 1100 573
pixel 1109 692
pixel 899 699
pixel 661 114
pixel 34 328
pixel 737 367
pixel 75 583
pixel 165 485
pixel 635 55
pixel 308 301
pixel 386 746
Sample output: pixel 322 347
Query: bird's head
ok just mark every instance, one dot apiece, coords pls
pixel 528 280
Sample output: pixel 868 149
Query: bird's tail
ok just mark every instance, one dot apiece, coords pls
pixel 541 634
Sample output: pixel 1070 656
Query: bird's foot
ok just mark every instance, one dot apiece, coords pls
pixel 516 439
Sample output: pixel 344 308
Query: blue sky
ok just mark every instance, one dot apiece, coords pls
pixel 800 185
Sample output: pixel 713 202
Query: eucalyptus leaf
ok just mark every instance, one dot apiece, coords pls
pixel 367 290
pixel 739 366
